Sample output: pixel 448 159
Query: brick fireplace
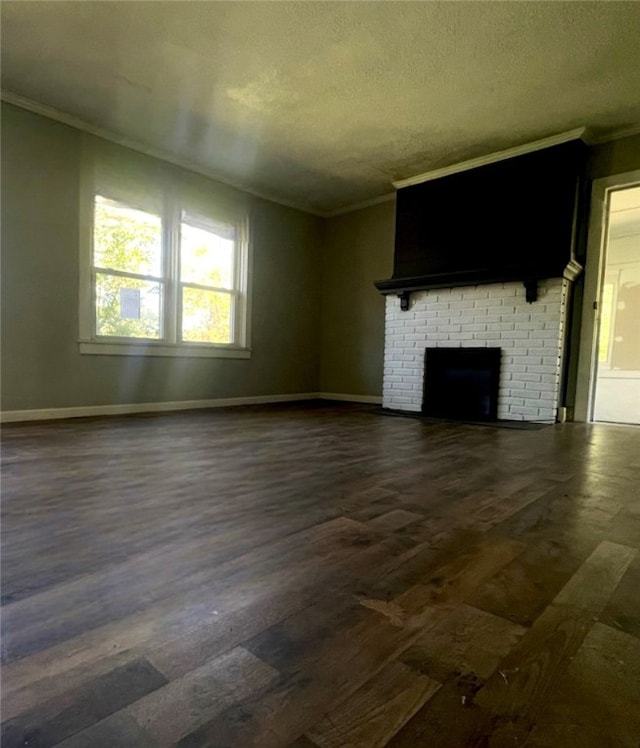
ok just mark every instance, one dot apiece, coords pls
pixel 485 256
pixel 530 336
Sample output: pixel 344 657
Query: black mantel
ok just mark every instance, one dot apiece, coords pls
pixel 512 220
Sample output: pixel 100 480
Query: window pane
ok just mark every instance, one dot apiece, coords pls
pixel 126 239
pixel 205 257
pixel 206 316
pixel 128 307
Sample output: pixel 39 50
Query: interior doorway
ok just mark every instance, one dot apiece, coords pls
pixel 617 382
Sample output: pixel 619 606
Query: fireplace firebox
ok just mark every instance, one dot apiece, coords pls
pixel 461 383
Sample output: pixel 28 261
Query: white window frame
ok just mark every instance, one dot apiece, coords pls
pixel 170 344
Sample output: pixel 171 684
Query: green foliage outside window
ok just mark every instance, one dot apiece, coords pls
pixel 130 241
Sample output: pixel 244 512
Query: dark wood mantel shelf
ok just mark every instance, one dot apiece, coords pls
pixel 403 287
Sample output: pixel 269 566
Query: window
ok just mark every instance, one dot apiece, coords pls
pixel 163 272
pixel 127 265
pixel 207 288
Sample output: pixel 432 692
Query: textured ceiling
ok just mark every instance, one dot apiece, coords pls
pixel 323 104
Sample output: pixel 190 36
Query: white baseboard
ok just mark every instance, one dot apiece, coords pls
pixel 47 414
pixel 372 399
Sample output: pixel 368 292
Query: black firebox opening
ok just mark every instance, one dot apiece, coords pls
pixel 461 383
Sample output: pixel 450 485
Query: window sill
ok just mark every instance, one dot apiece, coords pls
pixel 110 348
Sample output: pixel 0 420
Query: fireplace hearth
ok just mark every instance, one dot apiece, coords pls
pixel 461 383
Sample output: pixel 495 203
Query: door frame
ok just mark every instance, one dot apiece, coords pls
pixel 594 272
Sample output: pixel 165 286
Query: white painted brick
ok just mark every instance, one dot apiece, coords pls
pixel 463 304
pixel 527 377
pixel 546 369
pixel 486 335
pixel 448 328
pixel 501 290
pixel 524 410
pixel 547 353
pixel 529 334
pixel 547 404
pixel 403 387
pixel 528 361
pixel 544 334
pixel 489 303
pixel 542 386
pixel 476 292
pixel 535 327
pixel 411 379
pixel 551 343
pixel 519 334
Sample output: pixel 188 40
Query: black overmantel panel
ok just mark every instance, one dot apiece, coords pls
pixel 509 220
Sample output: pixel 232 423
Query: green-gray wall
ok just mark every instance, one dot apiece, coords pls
pixel 317 320
pixel 41 364
pixel 358 249
pixel 616 157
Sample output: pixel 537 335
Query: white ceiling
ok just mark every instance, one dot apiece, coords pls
pixel 322 104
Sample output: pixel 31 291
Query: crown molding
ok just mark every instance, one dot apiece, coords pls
pixel 360 206
pixel 79 124
pixel 136 145
pixel 491 158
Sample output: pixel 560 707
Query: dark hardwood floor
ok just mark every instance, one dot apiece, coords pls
pixel 319 576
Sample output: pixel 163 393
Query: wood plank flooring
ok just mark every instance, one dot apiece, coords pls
pixel 316 575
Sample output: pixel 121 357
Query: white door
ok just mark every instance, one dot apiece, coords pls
pixel 607 376
pixel 617 367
